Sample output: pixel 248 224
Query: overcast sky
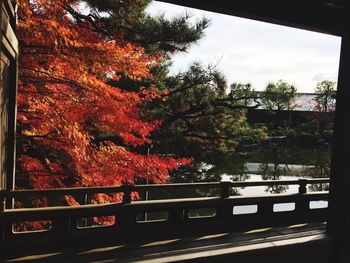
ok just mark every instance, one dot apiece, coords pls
pixel 256 52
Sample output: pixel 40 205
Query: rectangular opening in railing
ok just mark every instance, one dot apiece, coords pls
pixel 32 226
pixel 245 209
pixel 96 221
pixel 283 207
pixel 201 213
pixel 153 216
pixel 318 204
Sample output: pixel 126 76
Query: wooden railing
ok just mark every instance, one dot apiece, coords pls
pixel 139 218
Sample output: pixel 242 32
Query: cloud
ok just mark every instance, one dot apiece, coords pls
pixel 258 52
pixel 322 76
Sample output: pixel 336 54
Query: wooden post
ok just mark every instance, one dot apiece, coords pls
pixel 177 216
pixel 224 211
pixel 265 210
pixel 126 219
pixel 8 94
pixel 302 186
pixel 339 205
pixel 2 200
pixel 301 204
pixel 62 227
pixel 225 189
pixel 127 195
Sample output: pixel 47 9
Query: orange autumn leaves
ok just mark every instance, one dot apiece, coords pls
pixel 64 101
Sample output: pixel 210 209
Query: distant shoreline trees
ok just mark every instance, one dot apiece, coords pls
pixel 325 99
pixel 326 95
pixel 279 96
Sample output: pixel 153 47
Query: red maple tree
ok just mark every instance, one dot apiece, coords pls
pixel 64 101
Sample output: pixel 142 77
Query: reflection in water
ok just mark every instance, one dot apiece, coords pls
pixel 270 164
pixel 318 187
pixel 265 164
pixel 274 172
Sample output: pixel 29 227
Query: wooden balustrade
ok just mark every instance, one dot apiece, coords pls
pixel 174 215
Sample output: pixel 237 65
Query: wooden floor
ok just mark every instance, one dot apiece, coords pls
pixel 279 244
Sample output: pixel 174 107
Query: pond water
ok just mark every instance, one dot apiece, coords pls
pixel 259 165
pixel 270 164
pixel 264 190
pixel 271 171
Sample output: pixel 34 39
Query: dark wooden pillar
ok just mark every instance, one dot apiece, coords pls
pixel 8 93
pixel 339 206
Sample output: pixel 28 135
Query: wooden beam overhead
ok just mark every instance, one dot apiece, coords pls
pixel 330 17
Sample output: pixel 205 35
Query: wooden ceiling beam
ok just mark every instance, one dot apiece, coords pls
pixel 330 17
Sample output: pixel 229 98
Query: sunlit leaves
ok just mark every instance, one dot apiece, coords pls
pixel 64 100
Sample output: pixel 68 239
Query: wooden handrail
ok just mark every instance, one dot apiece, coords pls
pixel 136 188
pixel 126 190
pixel 37 213
pixel 64 219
